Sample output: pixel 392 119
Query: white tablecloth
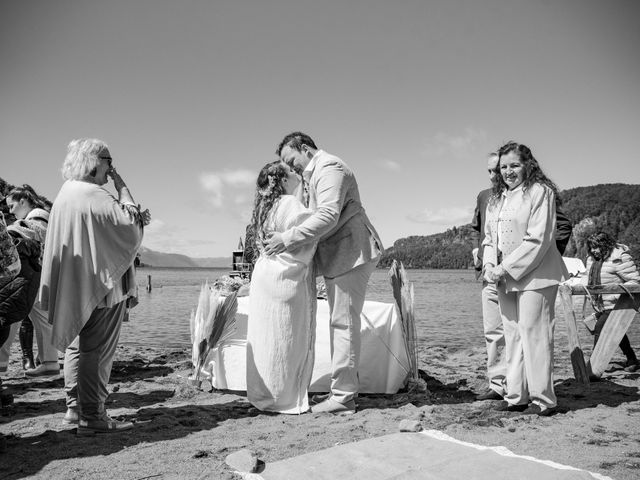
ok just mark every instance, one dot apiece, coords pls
pixel 383 357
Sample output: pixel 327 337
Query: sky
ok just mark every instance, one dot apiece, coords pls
pixel 193 96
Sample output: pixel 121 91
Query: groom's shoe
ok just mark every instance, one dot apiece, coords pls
pixel 332 406
pixel 508 407
pixel 319 398
pixel 489 395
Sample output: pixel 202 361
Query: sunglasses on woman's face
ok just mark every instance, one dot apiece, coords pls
pixel 108 159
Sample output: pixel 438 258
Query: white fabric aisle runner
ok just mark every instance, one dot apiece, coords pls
pixel 500 450
pixel 430 455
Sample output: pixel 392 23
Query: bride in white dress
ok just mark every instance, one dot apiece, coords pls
pixel 281 326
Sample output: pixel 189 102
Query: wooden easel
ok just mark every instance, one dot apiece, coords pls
pixel 617 325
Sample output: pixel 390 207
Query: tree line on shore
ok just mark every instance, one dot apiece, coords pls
pixel 614 208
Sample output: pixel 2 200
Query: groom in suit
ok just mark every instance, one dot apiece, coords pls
pixel 348 251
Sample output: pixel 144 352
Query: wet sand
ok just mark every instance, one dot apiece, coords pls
pixel 183 431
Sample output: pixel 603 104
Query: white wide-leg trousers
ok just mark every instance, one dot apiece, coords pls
pixel 529 319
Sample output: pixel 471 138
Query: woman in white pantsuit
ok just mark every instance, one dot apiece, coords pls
pixel 521 257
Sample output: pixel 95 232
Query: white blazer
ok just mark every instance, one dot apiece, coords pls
pixel 527 219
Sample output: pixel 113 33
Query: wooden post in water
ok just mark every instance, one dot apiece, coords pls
pixel 148 283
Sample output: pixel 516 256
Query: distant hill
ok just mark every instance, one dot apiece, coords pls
pixel 151 258
pixel 614 208
pixel 451 249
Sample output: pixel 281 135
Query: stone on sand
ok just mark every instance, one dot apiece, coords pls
pixel 243 461
pixel 410 426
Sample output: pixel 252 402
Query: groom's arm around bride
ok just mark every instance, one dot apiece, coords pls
pixel 347 253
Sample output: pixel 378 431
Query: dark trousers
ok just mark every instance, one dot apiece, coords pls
pixel 625 344
pixel 4 333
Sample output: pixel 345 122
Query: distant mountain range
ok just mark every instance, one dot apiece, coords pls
pixel 151 258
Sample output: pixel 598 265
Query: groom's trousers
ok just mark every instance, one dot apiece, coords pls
pixel 346 298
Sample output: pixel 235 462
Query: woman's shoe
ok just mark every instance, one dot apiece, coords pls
pixel 72 417
pixel 27 362
pixel 25 335
pixel 44 370
pixel 105 424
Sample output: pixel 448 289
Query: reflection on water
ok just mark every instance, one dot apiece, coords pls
pixel 447 308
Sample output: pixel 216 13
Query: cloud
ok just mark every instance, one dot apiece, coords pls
pixel 155 226
pixel 239 178
pixel 160 237
pixel 242 199
pixel 467 144
pixel 447 217
pixel 390 165
pixel 215 184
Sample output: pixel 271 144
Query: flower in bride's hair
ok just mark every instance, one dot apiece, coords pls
pixel 268 190
pixel 265 192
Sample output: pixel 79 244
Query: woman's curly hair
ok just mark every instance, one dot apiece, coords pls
pixel 268 190
pixel 532 171
pixel 602 241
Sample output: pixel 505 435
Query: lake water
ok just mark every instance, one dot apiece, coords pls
pixel 447 308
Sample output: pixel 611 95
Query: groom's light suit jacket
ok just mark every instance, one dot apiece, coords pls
pixel 346 238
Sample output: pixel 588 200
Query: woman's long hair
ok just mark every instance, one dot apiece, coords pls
pixel 26 192
pixel 532 171
pixel 604 242
pixel 268 190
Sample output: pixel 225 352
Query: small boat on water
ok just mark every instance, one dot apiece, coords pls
pixel 240 267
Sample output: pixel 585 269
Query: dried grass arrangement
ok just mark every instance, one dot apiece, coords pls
pixel 403 295
pixel 211 324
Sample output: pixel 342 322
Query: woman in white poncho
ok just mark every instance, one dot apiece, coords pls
pixel 87 277
pixel 281 326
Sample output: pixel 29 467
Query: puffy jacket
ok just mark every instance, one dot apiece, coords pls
pixel 618 268
pixel 18 294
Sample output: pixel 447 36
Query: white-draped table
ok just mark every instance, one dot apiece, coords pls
pixel 383 356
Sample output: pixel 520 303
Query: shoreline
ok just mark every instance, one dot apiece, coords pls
pixel 184 431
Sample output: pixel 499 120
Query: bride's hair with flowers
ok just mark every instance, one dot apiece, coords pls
pixel 268 190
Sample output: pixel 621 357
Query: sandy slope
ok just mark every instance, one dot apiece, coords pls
pixel 184 432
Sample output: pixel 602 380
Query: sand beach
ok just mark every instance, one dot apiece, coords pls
pixel 183 431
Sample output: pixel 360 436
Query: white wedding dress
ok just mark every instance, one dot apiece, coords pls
pixel 281 325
